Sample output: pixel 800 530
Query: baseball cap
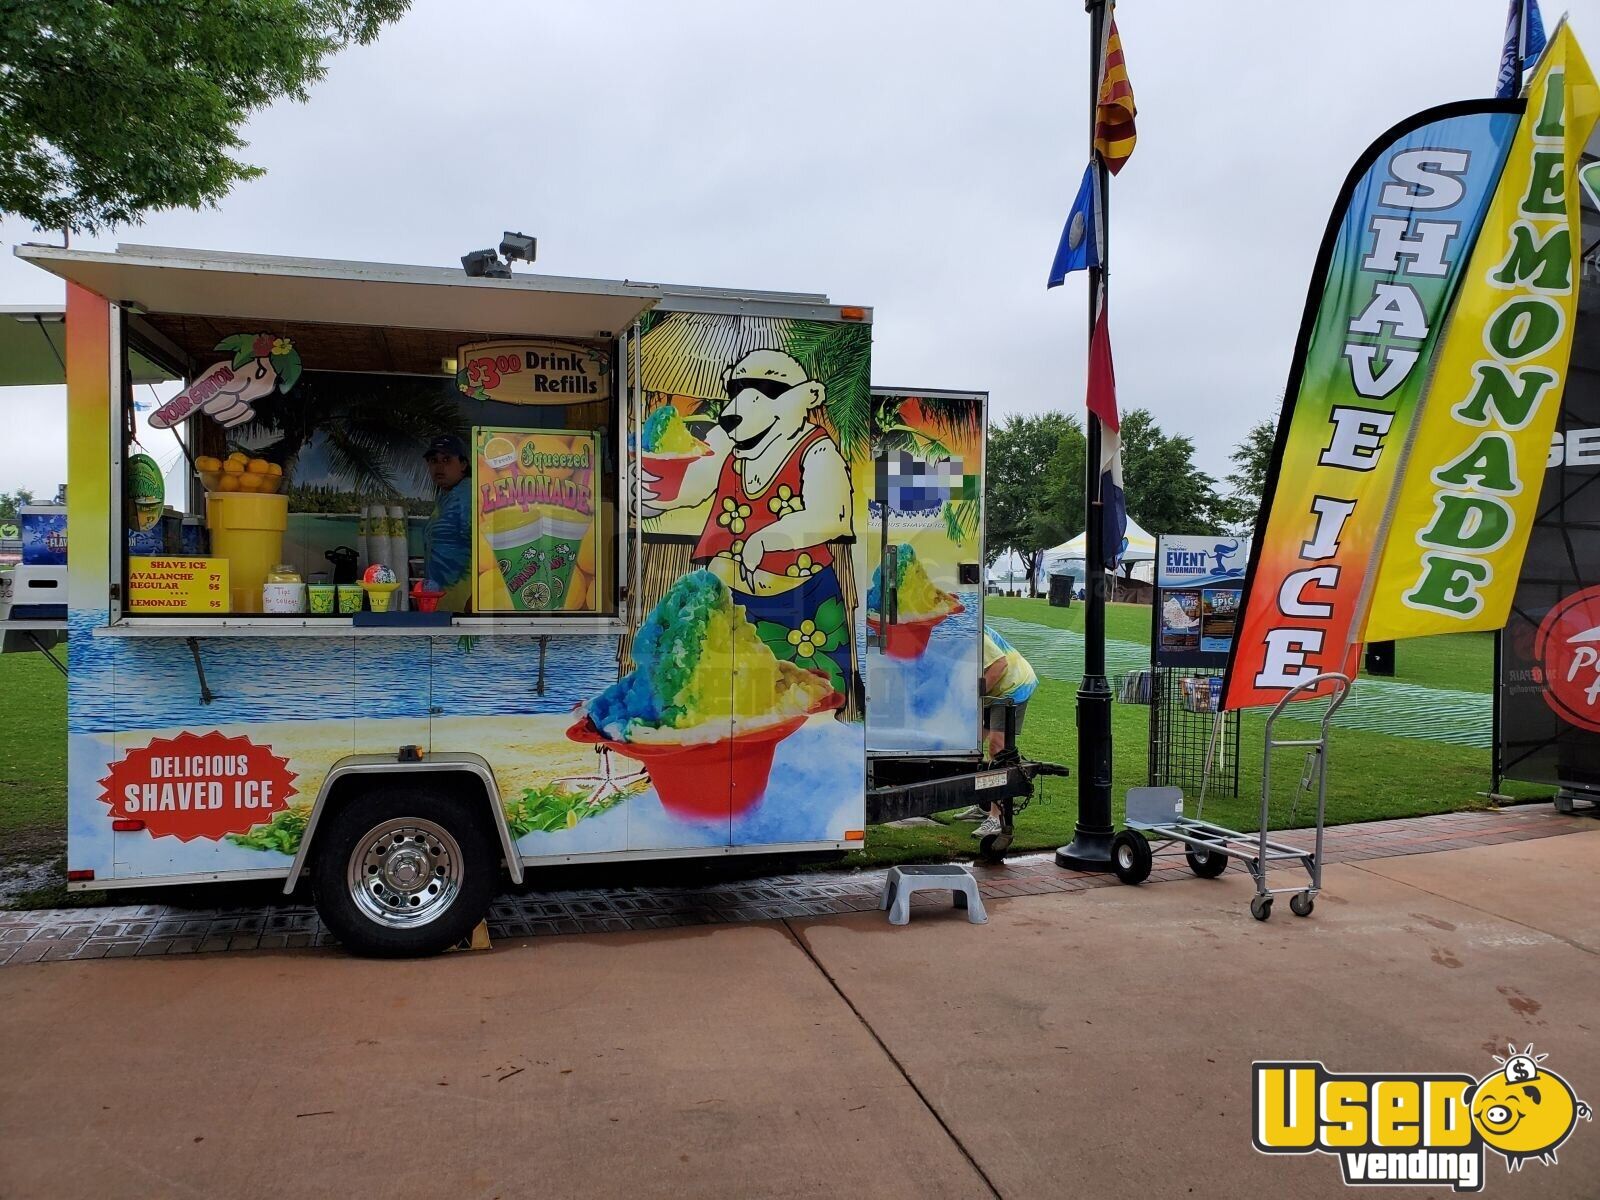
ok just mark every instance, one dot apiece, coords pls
pixel 447 444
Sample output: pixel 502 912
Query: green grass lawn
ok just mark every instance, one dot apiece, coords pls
pixel 1371 776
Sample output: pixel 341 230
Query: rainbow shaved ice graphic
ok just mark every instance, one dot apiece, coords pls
pixel 920 604
pixel 668 448
pixel 665 433
pixel 687 716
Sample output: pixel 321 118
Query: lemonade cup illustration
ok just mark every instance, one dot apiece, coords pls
pixel 536 556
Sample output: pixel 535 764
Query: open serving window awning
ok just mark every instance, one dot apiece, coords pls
pixel 33 348
pixel 209 283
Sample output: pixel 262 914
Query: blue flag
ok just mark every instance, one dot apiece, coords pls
pixel 1084 234
pixel 1524 43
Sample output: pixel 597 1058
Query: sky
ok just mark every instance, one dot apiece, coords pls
pixel 918 157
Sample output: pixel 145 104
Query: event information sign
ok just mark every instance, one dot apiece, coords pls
pixel 533 546
pixel 187 585
pixel 1199 582
pixel 1396 504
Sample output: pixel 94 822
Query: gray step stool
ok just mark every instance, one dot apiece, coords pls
pixel 943 877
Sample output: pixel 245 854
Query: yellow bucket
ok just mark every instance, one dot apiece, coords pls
pixel 247 530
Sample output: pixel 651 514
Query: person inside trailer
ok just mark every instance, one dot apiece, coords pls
pixel 448 537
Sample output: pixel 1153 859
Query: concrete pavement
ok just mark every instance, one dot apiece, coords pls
pixel 1087 1043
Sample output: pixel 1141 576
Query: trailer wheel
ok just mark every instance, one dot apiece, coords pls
pixel 1207 864
pixel 1131 857
pixel 1261 907
pixel 404 872
pixel 1301 904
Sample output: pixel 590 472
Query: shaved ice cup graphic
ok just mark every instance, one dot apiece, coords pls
pixel 686 776
pixel 531 560
pixel 669 470
pixel 909 638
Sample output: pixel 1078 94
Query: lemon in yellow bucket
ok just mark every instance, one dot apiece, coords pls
pixel 229 483
pixel 206 462
pixel 234 466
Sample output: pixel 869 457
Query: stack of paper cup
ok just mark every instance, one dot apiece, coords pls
pixel 399 554
pixel 363 540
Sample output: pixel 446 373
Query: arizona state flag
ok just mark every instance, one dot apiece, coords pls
pixel 1114 111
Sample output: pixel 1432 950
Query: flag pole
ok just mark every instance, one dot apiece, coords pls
pixel 1090 848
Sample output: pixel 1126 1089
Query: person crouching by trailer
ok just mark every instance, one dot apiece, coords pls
pixel 1008 681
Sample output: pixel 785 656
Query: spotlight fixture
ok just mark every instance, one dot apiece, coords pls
pixel 518 246
pixel 484 264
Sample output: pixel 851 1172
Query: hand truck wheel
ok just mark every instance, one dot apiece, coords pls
pixel 1208 863
pixel 1261 907
pixel 1131 857
pixel 992 849
pixel 1301 904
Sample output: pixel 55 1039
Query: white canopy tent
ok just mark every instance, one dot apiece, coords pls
pixel 1068 557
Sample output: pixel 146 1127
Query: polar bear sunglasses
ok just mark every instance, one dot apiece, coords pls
pixel 770 388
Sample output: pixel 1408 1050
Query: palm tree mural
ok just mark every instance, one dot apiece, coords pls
pixel 373 428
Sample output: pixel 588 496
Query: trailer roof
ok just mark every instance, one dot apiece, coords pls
pixel 33 348
pixel 213 283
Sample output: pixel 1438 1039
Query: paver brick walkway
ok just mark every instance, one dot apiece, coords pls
pixel 152 929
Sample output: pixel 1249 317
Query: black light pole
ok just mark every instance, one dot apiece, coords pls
pixel 1090 849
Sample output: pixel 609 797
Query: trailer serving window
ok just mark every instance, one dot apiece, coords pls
pixel 338 474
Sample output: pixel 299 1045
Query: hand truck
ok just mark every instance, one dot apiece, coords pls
pixel 1156 814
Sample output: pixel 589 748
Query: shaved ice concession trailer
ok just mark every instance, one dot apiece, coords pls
pixel 451 578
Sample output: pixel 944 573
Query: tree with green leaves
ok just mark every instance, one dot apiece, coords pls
pixel 1248 479
pixel 1165 491
pixel 1027 507
pixel 111 111
pixel 11 505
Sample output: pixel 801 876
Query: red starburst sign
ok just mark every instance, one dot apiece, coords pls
pixel 1568 653
pixel 198 786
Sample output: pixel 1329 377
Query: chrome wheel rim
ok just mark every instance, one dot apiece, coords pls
pixel 404 872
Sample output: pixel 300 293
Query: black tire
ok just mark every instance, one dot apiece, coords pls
pixel 1261 907
pixel 1131 857
pixel 1207 864
pixel 349 826
pixel 1301 904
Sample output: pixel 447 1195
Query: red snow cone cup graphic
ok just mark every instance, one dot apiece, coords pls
pixel 669 470
pixel 909 639
pixel 687 777
pixel 1567 649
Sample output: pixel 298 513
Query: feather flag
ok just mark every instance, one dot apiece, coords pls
pixel 1102 402
pixel 1114 112
pixel 1524 43
pixel 1083 237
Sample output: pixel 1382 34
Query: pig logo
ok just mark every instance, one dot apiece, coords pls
pixel 1567 649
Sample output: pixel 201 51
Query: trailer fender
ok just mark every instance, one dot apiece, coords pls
pixel 372 765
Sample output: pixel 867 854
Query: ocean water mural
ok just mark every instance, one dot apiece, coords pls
pixel 154 683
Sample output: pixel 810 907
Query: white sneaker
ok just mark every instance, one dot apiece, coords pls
pixel 988 829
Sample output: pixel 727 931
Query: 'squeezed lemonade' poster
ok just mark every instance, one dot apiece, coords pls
pixel 534 519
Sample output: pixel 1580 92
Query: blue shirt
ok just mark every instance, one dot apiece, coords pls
pixel 447 539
